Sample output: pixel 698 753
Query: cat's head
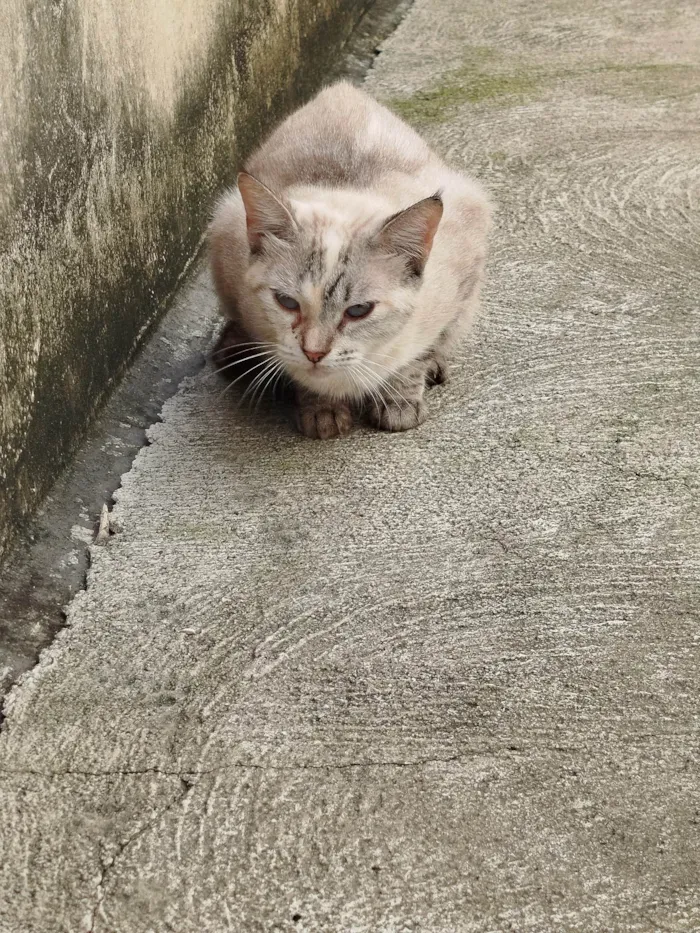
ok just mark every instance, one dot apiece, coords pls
pixel 334 293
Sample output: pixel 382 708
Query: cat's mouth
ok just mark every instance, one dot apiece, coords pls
pixel 313 371
pixel 318 369
pixel 318 376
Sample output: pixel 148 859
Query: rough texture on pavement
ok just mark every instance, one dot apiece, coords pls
pixel 443 681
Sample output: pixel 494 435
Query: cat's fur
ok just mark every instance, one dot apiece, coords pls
pixel 343 205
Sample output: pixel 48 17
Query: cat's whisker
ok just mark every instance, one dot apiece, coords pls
pixel 374 377
pixel 258 385
pixel 241 362
pixel 253 356
pixel 247 345
pixel 250 389
pixel 280 374
pixel 369 389
pixel 368 364
pixel 356 384
pixel 269 368
pixel 367 393
pixel 243 375
pixel 386 356
pixel 397 397
pixel 391 372
pixel 378 387
pixel 265 385
pixel 252 349
pixel 273 386
pixel 241 350
pixel 384 387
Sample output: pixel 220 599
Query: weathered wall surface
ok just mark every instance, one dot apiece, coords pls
pixel 118 122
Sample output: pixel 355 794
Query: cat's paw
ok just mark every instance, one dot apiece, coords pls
pixel 393 416
pixel 324 420
pixel 436 373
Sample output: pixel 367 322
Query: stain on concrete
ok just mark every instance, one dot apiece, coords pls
pixel 487 77
pixel 474 82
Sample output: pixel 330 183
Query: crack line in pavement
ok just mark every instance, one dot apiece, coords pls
pixel 107 866
pixel 242 766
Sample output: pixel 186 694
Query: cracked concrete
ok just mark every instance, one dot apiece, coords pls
pixel 444 681
pixel 92 916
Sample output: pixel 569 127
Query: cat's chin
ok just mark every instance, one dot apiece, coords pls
pixel 325 381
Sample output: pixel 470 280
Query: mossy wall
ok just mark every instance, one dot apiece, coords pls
pixel 119 121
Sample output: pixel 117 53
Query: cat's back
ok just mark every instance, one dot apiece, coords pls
pixel 341 138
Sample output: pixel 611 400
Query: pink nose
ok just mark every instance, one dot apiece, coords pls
pixel 315 355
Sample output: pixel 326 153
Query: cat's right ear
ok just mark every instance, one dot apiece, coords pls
pixel 266 214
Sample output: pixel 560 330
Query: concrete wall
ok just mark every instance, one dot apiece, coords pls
pixel 118 122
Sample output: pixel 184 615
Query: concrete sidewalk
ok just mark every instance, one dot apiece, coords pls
pixel 444 681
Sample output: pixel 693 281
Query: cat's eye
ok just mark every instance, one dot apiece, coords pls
pixel 289 304
pixel 355 312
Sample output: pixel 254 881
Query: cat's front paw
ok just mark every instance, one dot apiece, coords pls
pixel 393 416
pixel 436 373
pixel 323 420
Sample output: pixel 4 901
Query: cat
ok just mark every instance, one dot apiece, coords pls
pixel 349 259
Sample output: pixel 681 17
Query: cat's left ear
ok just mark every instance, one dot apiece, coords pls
pixel 266 214
pixel 410 233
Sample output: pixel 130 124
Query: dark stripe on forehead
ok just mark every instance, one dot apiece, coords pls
pixel 338 284
pixel 314 262
pixel 332 286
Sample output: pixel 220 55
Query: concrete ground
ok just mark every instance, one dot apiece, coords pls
pixel 441 681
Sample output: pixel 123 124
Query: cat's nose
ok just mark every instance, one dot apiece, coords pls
pixel 315 355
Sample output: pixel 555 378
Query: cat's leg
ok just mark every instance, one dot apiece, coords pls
pixel 230 337
pixel 437 372
pixel 451 336
pixel 236 359
pixel 322 418
pixel 438 355
pixel 402 404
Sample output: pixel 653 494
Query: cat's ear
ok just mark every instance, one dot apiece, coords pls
pixel 266 214
pixel 410 233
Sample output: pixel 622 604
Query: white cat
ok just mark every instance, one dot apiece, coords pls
pixel 350 259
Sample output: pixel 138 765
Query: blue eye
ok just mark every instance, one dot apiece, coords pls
pixel 289 304
pixel 355 312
